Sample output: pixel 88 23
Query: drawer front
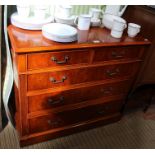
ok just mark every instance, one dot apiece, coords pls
pixel 77 76
pixel 61 58
pixel 62 119
pixel 116 53
pixel 61 98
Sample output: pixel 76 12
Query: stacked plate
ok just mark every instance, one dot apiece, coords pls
pixel 59 32
pixel 29 23
pixel 63 20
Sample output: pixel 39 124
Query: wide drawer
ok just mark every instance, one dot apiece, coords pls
pixel 81 75
pixel 62 98
pixel 117 53
pixel 61 58
pixel 53 121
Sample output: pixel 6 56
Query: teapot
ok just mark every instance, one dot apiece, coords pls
pixel 116 10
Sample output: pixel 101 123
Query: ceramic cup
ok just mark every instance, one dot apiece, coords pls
pixel 40 12
pixel 65 11
pixel 83 22
pixel 119 24
pixel 23 10
pixel 133 29
pixel 95 13
pixel 116 34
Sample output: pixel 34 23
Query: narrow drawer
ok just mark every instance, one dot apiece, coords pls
pixel 61 58
pixel 78 76
pixel 117 53
pixel 61 98
pixel 62 119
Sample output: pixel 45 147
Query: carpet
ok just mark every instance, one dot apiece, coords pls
pixel 133 131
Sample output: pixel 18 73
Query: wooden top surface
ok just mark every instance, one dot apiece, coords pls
pixel 30 41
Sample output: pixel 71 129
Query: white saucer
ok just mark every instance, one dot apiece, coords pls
pixel 65 20
pixel 29 23
pixel 95 22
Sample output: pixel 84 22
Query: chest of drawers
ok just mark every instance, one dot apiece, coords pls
pixel 65 88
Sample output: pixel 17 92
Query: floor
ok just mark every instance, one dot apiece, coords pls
pixel 134 130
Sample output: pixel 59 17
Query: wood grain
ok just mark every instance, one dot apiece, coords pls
pixel 64 88
pixel 33 41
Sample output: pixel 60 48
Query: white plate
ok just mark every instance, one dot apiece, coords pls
pixel 68 21
pixel 29 23
pixel 57 39
pixel 60 30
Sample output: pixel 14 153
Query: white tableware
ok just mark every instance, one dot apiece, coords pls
pixel 119 24
pixel 95 13
pixel 116 10
pixel 40 12
pixel 83 22
pixel 59 32
pixel 29 23
pixel 65 11
pixel 52 10
pixel 23 10
pixel 133 29
pixel 68 21
pixel 57 39
pixel 108 20
pixel 95 22
pixel 116 33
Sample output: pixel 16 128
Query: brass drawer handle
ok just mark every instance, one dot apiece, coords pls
pixel 66 58
pixel 52 102
pixel 116 55
pixel 112 73
pixel 107 90
pixel 53 80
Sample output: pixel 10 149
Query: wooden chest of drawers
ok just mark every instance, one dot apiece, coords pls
pixel 65 88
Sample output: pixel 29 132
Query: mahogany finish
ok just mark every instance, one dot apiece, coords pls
pixel 25 41
pixel 62 98
pixel 65 88
pixel 73 117
pixel 116 53
pixel 52 59
pixel 77 76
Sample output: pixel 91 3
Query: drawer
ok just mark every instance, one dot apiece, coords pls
pixel 76 76
pixel 61 98
pixel 117 53
pixel 61 58
pixel 57 120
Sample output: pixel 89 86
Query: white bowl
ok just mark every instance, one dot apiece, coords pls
pixel 108 20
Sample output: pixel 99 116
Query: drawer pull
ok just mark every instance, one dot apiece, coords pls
pixel 52 102
pixel 106 91
pixel 66 58
pixel 116 55
pixel 53 80
pixel 112 73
